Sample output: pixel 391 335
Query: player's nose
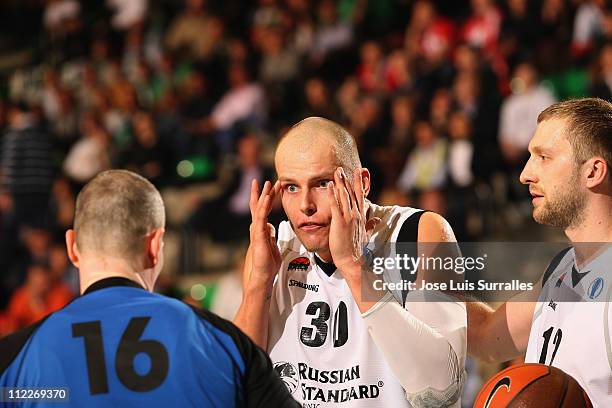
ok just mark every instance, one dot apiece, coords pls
pixel 307 204
pixel 527 175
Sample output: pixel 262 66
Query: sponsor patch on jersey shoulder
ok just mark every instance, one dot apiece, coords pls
pixel 301 264
pixel 595 288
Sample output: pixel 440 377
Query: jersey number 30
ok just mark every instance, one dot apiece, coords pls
pixel 129 346
pixel 322 312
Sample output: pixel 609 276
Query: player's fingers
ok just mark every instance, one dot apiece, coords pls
pixel 254 197
pixel 264 192
pixel 271 233
pixel 269 203
pixel 351 192
pixel 333 200
pixel 359 194
pixel 275 190
pixel 342 193
pixel 262 215
pixel 371 225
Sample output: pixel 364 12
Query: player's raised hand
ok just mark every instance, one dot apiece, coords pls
pixel 350 230
pixel 264 259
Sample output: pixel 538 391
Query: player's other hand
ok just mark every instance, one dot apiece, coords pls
pixel 265 257
pixel 350 230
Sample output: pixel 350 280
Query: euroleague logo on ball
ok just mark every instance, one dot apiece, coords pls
pixel 301 264
pixel 288 373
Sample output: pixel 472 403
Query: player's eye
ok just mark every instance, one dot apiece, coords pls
pixel 291 188
pixel 323 183
pixel 543 158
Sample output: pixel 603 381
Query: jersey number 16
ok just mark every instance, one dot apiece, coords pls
pixel 129 346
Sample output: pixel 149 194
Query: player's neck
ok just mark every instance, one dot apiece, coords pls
pixel 325 256
pixel 596 225
pixel 101 268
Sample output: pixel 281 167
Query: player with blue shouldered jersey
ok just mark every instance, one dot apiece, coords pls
pixel 566 321
pixel 119 344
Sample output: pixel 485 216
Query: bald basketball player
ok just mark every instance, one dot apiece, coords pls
pixel 566 322
pixel 308 295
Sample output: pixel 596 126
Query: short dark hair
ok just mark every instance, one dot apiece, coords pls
pixel 115 211
pixel 588 127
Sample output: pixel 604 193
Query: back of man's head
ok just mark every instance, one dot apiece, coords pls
pixel 114 213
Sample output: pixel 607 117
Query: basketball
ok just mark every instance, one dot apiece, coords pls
pixel 532 385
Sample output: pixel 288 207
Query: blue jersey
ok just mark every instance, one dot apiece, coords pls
pixel 119 345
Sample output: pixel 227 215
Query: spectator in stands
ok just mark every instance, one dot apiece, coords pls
pixel 90 154
pixel 400 140
pixel 588 24
pixel 194 32
pixel 370 71
pixel 554 36
pixel 227 217
pixel 397 75
pixel 519 113
pixel 243 101
pixel 331 34
pixel 279 63
pixel 425 169
pixel 29 303
pixel 429 35
pixel 146 154
pixel 602 83
pixel 127 13
pixel 519 31
pixel 317 100
pixel 460 150
pixel 27 169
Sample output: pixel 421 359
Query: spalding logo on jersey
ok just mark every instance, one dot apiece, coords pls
pixel 301 264
pixel 288 373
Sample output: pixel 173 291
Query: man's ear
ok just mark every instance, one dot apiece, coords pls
pixel 365 181
pixel 71 248
pixel 597 172
pixel 155 246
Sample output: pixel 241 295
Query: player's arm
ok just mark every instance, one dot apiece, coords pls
pixel 424 346
pixel 496 335
pixel 425 342
pixel 502 334
pixel 261 266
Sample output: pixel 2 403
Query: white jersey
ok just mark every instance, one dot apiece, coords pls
pixel 571 324
pixel 317 339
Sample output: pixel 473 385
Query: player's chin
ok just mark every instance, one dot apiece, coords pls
pixel 314 239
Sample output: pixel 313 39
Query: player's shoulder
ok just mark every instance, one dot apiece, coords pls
pixel 558 264
pixel 407 223
pixel 11 345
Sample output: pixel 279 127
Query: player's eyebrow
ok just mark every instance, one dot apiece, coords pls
pixel 316 177
pixel 539 150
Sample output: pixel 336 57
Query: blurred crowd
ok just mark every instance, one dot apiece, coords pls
pixel 441 96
